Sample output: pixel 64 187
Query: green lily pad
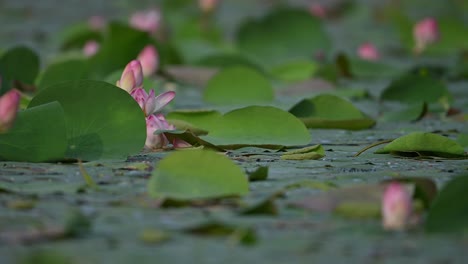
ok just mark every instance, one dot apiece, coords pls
pixel 316 113
pixel 262 126
pixel 238 85
pixel 67 70
pixel 424 144
pixel 416 88
pixel 226 60
pixel 39 135
pixel 449 211
pixel 120 45
pixel 203 119
pixel 76 35
pixel 103 121
pixel 282 35
pixel 204 174
pixel 412 112
pixel 18 64
pixel 294 71
pixel 373 69
pixel 308 153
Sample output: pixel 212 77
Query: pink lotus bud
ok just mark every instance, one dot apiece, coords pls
pixel 146 101
pixel 97 22
pixel 90 48
pixel 425 32
pixel 149 60
pixel 368 51
pixel 318 10
pixel 9 104
pixel 132 76
pixel 396 207
pixel 207 6
pixel 148 20
pixel 153 124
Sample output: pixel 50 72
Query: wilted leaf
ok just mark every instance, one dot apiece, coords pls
pixel 197 174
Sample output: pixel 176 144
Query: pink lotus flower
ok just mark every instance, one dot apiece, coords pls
pixel 368 51
pixel 396 207
pixel 90 48
pixel 207 6
pixel 149 60
pixel 97 22
pixel 132 76
pixel 149 103
pixel 425 32
pixel 318 10
pixel 154 140
pixel 9 105
pixel 148 20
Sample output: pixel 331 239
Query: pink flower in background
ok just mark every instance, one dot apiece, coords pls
pixel 396 207
pixel 149 60
pixel 148 20
pixel 425 32
pixel 97 22
pixel 208 6
pixel 368 51
pixel 318 10
pixel 90 48
pixel 132 76
pixel 9 105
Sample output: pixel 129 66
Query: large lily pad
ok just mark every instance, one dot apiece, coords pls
pixel 197 174
pixel 39 134
pixel 449 211
pixel 316 113
pixel 238 85
pixel 67 70
pixel 18 64
pixel 424 144
pixel 258 126
pixel 416 88
pixel 103 121
pixel 283 35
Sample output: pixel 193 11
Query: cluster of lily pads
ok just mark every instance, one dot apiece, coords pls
pixel 96 99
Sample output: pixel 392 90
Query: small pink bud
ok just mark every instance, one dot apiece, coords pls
pixel 146 101
pixel 425 32
pixel 396 207
pixel 132 76
pixel 318 10
pixel 207 6
pixel 9 105
pixel 97 22
pixel 162 100
pixel 90 48
pixel 148 20
pixel 368 51
pixel 149 60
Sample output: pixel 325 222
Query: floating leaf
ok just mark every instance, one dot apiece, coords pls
pixel 307 153
pixel 372 69
pixel 235 234
pixel 265 207
pixel 449 211
pixel 204 119
pixel 262 126
pixel 413 88
pixel 317 113
pixel 103 121
pixel 75 36
pixel 424 144
pixel 18 64
pixel 294 71
pixel 260 174
pixel 68 70
pixel 238 85
pixel 281 36
pixel 412 112
pixel 197 174
pixel 39 135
